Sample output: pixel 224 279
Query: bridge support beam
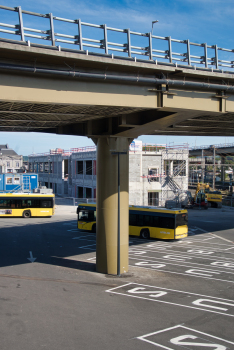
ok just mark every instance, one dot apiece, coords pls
pixel 107 204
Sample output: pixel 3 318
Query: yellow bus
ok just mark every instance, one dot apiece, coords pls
pixel 144 222
pixel 26 204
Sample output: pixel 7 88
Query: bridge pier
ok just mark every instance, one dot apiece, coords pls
pixel 107 204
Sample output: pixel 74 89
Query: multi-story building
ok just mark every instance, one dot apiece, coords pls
pixel 156 173
pixel 10 161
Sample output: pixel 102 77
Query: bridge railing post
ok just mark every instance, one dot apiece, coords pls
pixel 52 38
pixel 169 49
pixel 216 57
pixel 105 42
pixel 129 43
pixel 80 34
pixel 205 55
pixel 150 52
pixel 21 26
pixel 188 52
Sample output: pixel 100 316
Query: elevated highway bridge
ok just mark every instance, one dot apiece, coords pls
pixel 112 100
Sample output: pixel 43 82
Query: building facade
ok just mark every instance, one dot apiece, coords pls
pixel 156 174
pixel 10 161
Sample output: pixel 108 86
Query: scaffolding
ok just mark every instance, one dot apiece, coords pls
pixel 174 174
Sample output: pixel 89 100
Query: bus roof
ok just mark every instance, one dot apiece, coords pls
pixel 24 194
pixel 142 208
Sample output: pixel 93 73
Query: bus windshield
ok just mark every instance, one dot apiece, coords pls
pixel 181 219
pixel 86 215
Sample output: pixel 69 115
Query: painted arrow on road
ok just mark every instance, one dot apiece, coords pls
pixel 32 259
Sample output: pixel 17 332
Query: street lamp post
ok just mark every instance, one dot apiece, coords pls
pixel 153 25
pixel 49 172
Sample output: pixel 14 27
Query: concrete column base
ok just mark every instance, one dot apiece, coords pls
pixel 107 205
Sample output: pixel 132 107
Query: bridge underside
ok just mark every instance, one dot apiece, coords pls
pixel 111 102
pixel 119 121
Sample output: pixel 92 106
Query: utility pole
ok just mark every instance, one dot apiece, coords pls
pixel 214 167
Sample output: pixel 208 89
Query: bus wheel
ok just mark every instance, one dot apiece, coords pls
pixel 27 214
pixel 94 228
pixel 145 234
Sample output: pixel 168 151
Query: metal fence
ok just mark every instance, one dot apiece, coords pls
pixel 228 201
pixel 220 145
pixel 73 201
pixel 174 52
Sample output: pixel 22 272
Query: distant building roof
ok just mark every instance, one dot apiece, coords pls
pixel 4 146
pixel 7 152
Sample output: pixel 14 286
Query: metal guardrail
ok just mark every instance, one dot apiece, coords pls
pixel 73 201
pixel 221 145
pixel 151 51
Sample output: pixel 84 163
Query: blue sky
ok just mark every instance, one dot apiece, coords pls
pixel 210 21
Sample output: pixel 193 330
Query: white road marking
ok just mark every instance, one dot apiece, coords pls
pixel 224 239
pixel 184 274
pixel 132 289
pixel 218 264
pixel 176 253
pixel 32 259
pixel 181 333
pixel 86 246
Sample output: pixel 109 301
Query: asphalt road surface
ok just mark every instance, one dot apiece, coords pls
pixel 177 294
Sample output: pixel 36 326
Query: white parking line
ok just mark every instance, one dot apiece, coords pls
pixel 86 246
pixel 181 335
pixel 180 298
pixel 224 239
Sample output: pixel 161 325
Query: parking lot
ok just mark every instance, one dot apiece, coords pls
pixel 176 295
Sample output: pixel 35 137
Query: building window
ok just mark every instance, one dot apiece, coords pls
pixel 8 163
pixel 80 192
pixel 80 167
pixel 153 198
pixel 17 164
pixel 153 174
pixel 9 180
pixel 88 192
pixel 51 167
pixel 89 167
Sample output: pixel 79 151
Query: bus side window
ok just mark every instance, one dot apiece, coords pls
pixel 46 204
pixel 140 220
pixel 166 222
pixel 132 219
pixel 146 220
pixel 24 203
pixel 95 215
pixel 18 203
pixel 36 203
pixel 155 221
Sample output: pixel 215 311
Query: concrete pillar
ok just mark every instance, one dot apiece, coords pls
pixel 107 204
pixel 222 169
